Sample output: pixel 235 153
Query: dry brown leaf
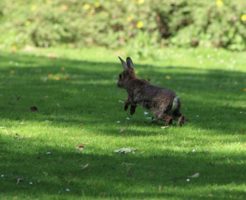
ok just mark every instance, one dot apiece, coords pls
pixel 80 147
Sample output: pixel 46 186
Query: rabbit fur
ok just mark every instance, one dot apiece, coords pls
pixel 162 102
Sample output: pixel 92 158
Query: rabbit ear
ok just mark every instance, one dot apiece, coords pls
pixel 124 65
pixel 129 62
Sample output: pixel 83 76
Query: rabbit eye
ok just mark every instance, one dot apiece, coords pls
pixel 120 76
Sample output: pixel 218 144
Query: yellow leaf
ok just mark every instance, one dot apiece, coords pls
pixel 57 78
pixel 97 4
pixel 140 1
pixel 33 8
pixel 140 24
pixel 87 6
pixel 243 17
pixel 64 7
pixel 219 3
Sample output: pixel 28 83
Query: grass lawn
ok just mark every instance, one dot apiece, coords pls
pixel 77 102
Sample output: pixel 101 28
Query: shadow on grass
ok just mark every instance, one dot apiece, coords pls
pixel 73 91
pixel 117 175
pixel 70 92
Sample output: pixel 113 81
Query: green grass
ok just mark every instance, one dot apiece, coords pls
pixel 78 103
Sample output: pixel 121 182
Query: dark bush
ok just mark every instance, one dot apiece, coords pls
pixel 78 23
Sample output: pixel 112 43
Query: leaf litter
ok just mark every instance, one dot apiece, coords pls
pixel 18 180
pixel 84 166
pixel 80 147
pixel 125 150
pixel 196 175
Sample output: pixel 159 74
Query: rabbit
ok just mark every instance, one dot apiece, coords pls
pixel 163 103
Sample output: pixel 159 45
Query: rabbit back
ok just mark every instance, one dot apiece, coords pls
pixel 157 100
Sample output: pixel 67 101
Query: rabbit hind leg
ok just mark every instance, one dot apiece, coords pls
pixel 168 119
pixel 178 115
pixel 162 116
pixel 133 109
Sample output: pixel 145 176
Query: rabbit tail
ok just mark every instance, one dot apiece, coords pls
pixel 176 104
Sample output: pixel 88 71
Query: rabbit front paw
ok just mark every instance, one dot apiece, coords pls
pixel 133 109
pixel 126 106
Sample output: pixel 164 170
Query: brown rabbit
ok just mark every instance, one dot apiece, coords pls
pixel 162 102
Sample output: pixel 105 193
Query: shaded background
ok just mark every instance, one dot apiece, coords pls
pixel 130 24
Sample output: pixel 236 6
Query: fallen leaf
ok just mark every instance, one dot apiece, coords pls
pixel 18 180
pixel 120 101
pixel 168 77
pixel 67 77
pixel 44 79
pixel 196 175
pixel 84 166
pixel 128 164
pixel 80 147
pixel 122 130
pixel 163 127
pixel 12 72
pixel 54 77
pixel 125 150
pixel 29 49
pixel 45 173
pixel 64 7
pixel 17 136
pixel 57 78
pixel 52 55
pixel 13 49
